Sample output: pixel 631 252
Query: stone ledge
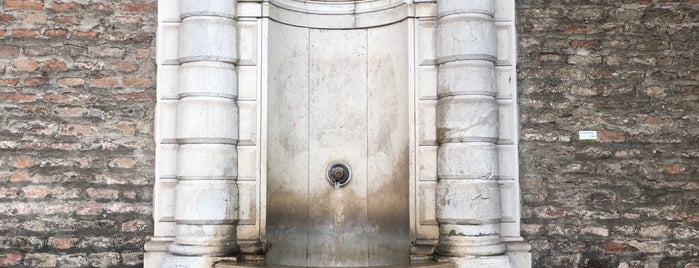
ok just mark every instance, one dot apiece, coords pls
pixel 245 265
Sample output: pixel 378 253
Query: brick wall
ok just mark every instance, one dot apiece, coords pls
pixel 630 70
pixel 76 132
pixel 76 151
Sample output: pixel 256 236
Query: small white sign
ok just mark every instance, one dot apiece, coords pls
pixel 587 135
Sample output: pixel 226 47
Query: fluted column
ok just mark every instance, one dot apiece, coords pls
pixel 206 196
pixel 468 195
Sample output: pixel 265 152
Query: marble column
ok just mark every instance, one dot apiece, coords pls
pixel 468 194
pixel 206 195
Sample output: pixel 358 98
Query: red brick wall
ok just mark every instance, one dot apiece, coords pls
pixel 629 69
pixel 77 94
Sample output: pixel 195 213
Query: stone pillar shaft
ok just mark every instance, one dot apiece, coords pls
pixel 206 196
pixel 468 195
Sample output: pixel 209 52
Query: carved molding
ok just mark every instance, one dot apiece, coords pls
pixel 338 14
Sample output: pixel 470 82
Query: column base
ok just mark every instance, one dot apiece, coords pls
pixel 174 261
pixel 501 261
pixel 204 250
pixel 423 247
pixel 447 247
pixel 519 253
pixel 156 249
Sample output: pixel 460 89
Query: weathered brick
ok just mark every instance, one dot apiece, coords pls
pixel 577 28
pixel 89 35
pixel 123 162
pixel 126 67
pixel 136 96
pixel 102 7
pixel 20 242
pixel 36 81
pixel 6 18
pixel 138 7
pixel 583 91
pixel 25 65
pixel 70 82
pixel 89 209
pixel 8 192
pixel 95 242
pixel 107 52
pixel 9 52
pixel 70 112
pixel 77 130
pixel 108 194
pixel 135 258
pixel 617 247
pixel 684 233
pixel 553 212
pixel 19 176
pixel 34 18
pixel 599 231
pixel 143 53
pixel 24 33
pixel 105 82
pixel 16 97
pixel 24 4
pixel 62 242
pixel 132 21
pixel 53 209
pixel 134 226
pixel 40 260
pixel 54 65
pixel 120 208
pixel 103 259
pixel 66 19
pixel 673 169
pixel 62 193
pixel 127 128
pixel 655 121
pixel 36 191
pixel 10 259
pixel 24 162
pixel 138 82
pixel 64 6
pixel 584 59
pixel 55 32
pixel 72 260
pixel 654 231
pixel 611 136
